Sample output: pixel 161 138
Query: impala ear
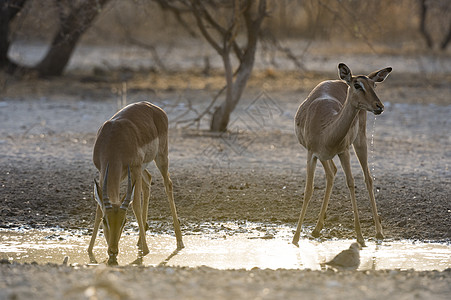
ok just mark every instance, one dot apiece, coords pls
pixel 97 195
pixel 379 76
pixel 345 73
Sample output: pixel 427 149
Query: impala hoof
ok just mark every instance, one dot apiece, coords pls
pixel 137 262
pixel 180 245
pixel 143 252
pixel 379 236
pixel 361 242
pixel 92 259
pixel 112 261
pixel 316 233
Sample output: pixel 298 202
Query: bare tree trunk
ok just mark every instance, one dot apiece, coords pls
pixel 71 29
pixel 8 11
pixel 221 116
pixel 222 37
pixel 423 30
pixel 447 39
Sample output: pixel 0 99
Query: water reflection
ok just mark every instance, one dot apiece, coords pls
pixel 237 251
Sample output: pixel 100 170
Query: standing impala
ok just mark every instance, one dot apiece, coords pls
pixel 327 123
pixel 125 144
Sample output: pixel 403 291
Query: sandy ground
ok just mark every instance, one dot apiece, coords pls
pixel 61 282
pixel 255 173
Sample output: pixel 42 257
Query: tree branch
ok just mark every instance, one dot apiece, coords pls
pixel 360 36
pixel 269 38
pixel 177 11
pixel 198 16
pixel 128 35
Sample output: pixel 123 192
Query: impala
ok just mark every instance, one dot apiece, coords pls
pixel 327 123
pixel 125 144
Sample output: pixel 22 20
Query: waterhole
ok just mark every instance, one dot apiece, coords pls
pixel 241 250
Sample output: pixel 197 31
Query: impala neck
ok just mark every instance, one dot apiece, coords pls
pixel 340 127
pixel 114 178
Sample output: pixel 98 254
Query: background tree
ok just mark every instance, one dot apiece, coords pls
pixel 75 17
pixel 437 13
pixel 74 21
pixel 222 24
pixel 8 11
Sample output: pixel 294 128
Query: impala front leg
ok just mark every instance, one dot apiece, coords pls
pixel 98 218
pixel 360 148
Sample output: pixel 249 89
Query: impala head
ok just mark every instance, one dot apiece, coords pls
pixel 114 215
pixel 361 88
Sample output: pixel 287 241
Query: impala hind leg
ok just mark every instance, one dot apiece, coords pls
pixel 162 163
pixel 311 165
pixel 138 210
pixel 331 170
pixel 147 180
pixel 346 164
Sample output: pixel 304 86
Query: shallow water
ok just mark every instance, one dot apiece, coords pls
pixel 222 251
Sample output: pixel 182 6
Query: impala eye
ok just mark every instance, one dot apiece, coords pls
pixel 357 86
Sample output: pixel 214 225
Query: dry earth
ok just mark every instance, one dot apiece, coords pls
pixel 255 173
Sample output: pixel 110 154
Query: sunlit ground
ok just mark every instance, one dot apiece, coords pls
pixel 221 251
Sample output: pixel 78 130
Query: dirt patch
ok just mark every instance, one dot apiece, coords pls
pixel 257 175
pixel 207 283
pixel 48 130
